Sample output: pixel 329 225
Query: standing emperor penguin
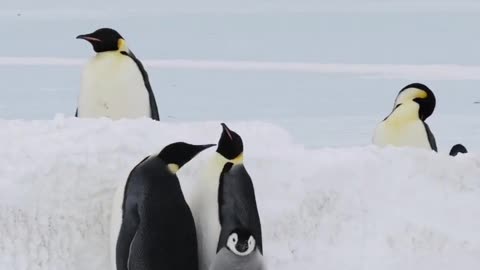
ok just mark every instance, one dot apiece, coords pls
pixel 157 228
pixel 204 200
pixel 405 126
pixel 114 82
pixel 240 243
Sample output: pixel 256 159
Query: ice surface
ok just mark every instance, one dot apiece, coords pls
pixel 345 208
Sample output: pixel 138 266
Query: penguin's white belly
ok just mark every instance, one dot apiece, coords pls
pixel 113 87
pixel 208 227
pixel 116 223
pixel 409 134
pixel 204 206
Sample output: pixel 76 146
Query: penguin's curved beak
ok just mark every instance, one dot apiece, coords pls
pixel 89 38
pixel 227 131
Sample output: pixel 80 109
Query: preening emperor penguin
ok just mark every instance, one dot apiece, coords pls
pixel 204 200
pixel 157 229
pixel 114 83
pixel 405 126
pixel 240 243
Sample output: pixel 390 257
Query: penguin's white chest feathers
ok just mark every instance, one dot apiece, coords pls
pixel 402 128
pixel 204 207
pixel 113 86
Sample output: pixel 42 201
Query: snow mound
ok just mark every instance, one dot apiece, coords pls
pixel 344 208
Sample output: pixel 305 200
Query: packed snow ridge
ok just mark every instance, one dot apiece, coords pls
pixel 342 208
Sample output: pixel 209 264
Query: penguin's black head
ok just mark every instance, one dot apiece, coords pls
pixel 104 40
pixel 177 154
pixel 420 94
pixel 241 242
pixel 230 145
pixel 458 148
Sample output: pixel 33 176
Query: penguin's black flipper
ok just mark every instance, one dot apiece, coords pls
pixel 458 148
pixel 130 220
pixel 237 204
pixel 125 239
pixel 151 96
pixel 76 113
pixel 431 138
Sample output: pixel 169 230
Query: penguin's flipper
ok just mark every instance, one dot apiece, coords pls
pixel 76 113
pixel 153 104
pixel 125 239
pixel 151 97
pixel 237 203
pixel 130 250
pixel 431 138
pixel 458 148
pixel 130 221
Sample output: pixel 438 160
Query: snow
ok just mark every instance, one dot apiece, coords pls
pixel 356 207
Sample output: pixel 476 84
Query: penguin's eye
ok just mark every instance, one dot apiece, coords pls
pixel 233 238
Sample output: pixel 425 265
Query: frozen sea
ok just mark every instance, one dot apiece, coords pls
pixel 367 51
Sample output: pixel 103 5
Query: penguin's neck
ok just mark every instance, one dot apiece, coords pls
pixel 406 112
pixel 214 169
pixel 107 55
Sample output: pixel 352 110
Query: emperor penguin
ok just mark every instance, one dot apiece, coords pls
pixel 405 126
pixel 157 228
pixel 240 243
pixel 114 82
pixel 204 199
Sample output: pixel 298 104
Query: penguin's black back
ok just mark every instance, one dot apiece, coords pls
pixel 237 205
pixel 163 229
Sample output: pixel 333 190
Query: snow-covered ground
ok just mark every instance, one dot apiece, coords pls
pixel 345 208
pixel 304 82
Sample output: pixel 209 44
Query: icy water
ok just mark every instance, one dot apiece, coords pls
pixel 319 109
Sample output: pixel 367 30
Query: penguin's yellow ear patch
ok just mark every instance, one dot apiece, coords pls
pixel 122 45
pixel 422 94
pixel 173 168
pixel 238 160
pixel 409 95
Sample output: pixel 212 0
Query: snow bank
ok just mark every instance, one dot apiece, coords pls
pixel 355 208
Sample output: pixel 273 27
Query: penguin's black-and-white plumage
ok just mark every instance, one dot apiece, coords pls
pixel 157 229
pixel 240 243
pixel 458 149
pixel 204 199
pixel 114 82
pixel 405 126
pixel 240 252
